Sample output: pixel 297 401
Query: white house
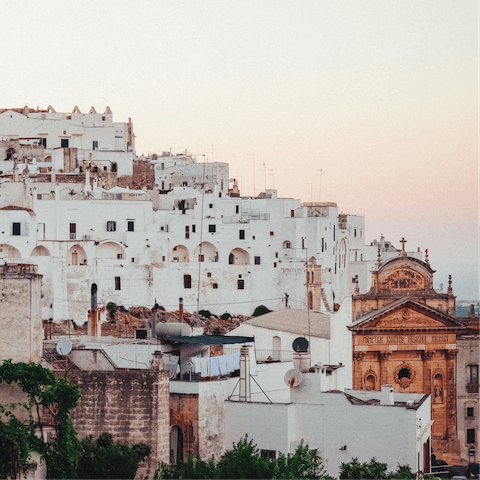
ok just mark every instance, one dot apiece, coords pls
pixel 340 425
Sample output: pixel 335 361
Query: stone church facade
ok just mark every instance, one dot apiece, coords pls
pixel 405 334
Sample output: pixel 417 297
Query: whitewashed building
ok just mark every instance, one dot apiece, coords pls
pixel 190 236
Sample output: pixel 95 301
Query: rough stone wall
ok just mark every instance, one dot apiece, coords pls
pixel 184 414
pixel 20 313
pixel 22 151
pixel 143 176
pixel 132 405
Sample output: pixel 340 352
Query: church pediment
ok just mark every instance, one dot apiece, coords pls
pixel 405 314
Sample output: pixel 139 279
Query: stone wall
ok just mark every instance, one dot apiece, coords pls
pixel 20 313
pixel 131 405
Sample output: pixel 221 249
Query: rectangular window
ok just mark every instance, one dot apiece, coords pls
pixel 271 234
pixel 257 260
pixel 119 256
pixel 163 185
pixel 241 234
pixel 274 264
pixel 73 231
pixel 163 258
pixel 16 229
pixel 210 205
pixel 193 228
pixel 130 226
pixel 334 233
pixel 64 143
pixel 103 119
pixel 111 226
pixel 187 231
pixel 43 142
pixel 187 281
pixel 212 228
pixel 269 454
pixel 209 274
pixel 470 412
pixel 201 258
pixel 323 244
pixel 237 208
pixel 215 285
pixel 292 213
pixel 240 284
pixel 117 283
pixel 114 167
pixel 95 145
pixel 472 373
pixel 470 435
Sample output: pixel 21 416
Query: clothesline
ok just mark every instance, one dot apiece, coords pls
pixel 213 366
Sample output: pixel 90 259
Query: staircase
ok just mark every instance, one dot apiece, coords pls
pixel 324 300
pixel 61 363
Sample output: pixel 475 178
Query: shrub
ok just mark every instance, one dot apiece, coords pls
pixel 261 310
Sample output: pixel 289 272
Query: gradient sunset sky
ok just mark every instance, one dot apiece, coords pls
pixel 369 104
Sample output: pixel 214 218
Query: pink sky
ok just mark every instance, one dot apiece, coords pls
pixel 382 96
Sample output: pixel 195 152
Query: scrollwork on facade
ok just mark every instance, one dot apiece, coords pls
pixel 383 356
pixel 451 354
pixel 404 375
pixel 427 355
pixel 358 356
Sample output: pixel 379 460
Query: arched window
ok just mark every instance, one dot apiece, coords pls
pixel 10 153
pixel 310 301
pixel 287 244
pixel 231 259
pixel 370 383
pixel 276 347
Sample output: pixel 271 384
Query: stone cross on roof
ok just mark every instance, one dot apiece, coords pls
pixel 403 242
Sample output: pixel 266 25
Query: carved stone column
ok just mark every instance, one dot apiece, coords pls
pixel 357 370
pixel 383 358
pixel 450 393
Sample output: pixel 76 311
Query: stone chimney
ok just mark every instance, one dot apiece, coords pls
pixel 245 393
pixel 387 395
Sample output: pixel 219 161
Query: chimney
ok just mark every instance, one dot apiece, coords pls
pixel 387 395
pixel 157 361
pixel 245 393
pixel 180 310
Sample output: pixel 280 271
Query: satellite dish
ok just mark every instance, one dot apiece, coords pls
pixel 64 346
pixel 300 344
pixel 293 378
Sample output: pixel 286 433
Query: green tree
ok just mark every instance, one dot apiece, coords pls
pixel 193 467
pixel 261 310
pixel 102 458
pixel 18 438
pixel 373 470
pixel 304 463
pixel 244 461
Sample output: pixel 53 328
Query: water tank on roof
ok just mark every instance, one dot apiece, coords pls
pixel 174 328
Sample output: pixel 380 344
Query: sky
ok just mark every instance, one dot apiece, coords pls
pixel 372 104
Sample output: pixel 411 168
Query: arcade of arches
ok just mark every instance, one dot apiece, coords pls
pixel 404 334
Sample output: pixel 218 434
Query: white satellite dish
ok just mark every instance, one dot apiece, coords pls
pixel 293 378
pixel 64 346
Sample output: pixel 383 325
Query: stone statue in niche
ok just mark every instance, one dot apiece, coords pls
pixel 437 389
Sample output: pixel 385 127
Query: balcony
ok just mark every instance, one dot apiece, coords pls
pixel 471 387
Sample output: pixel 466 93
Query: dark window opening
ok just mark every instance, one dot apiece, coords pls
pixel 237 208
pixel 119 256
pixel 404 373
pixel 472 373
pixel 64 143
pixel 470 412
pixel 94 144
pixel 257 260
pixel 73 231
pixel 187 231
pixel 269 454
pixel 117 283
pixel 240 284
pixel 193 228
pixel 187 281
pixel 470 435
pixel 271 234
pixel 114 167
pixel 241 234
pixel 212 228
pixel 210 205
pixel 16 230
pixel 215 285
pixel 231 259
pixel 209 274
pixel 130 226
pixel 111 226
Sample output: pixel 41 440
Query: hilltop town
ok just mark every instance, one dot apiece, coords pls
pixel 191 315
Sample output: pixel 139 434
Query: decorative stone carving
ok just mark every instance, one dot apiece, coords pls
pixel 404 375
pixel 358 356
pixel 427 355
pixel 383 356
pixel 451 353
pixel 404 279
